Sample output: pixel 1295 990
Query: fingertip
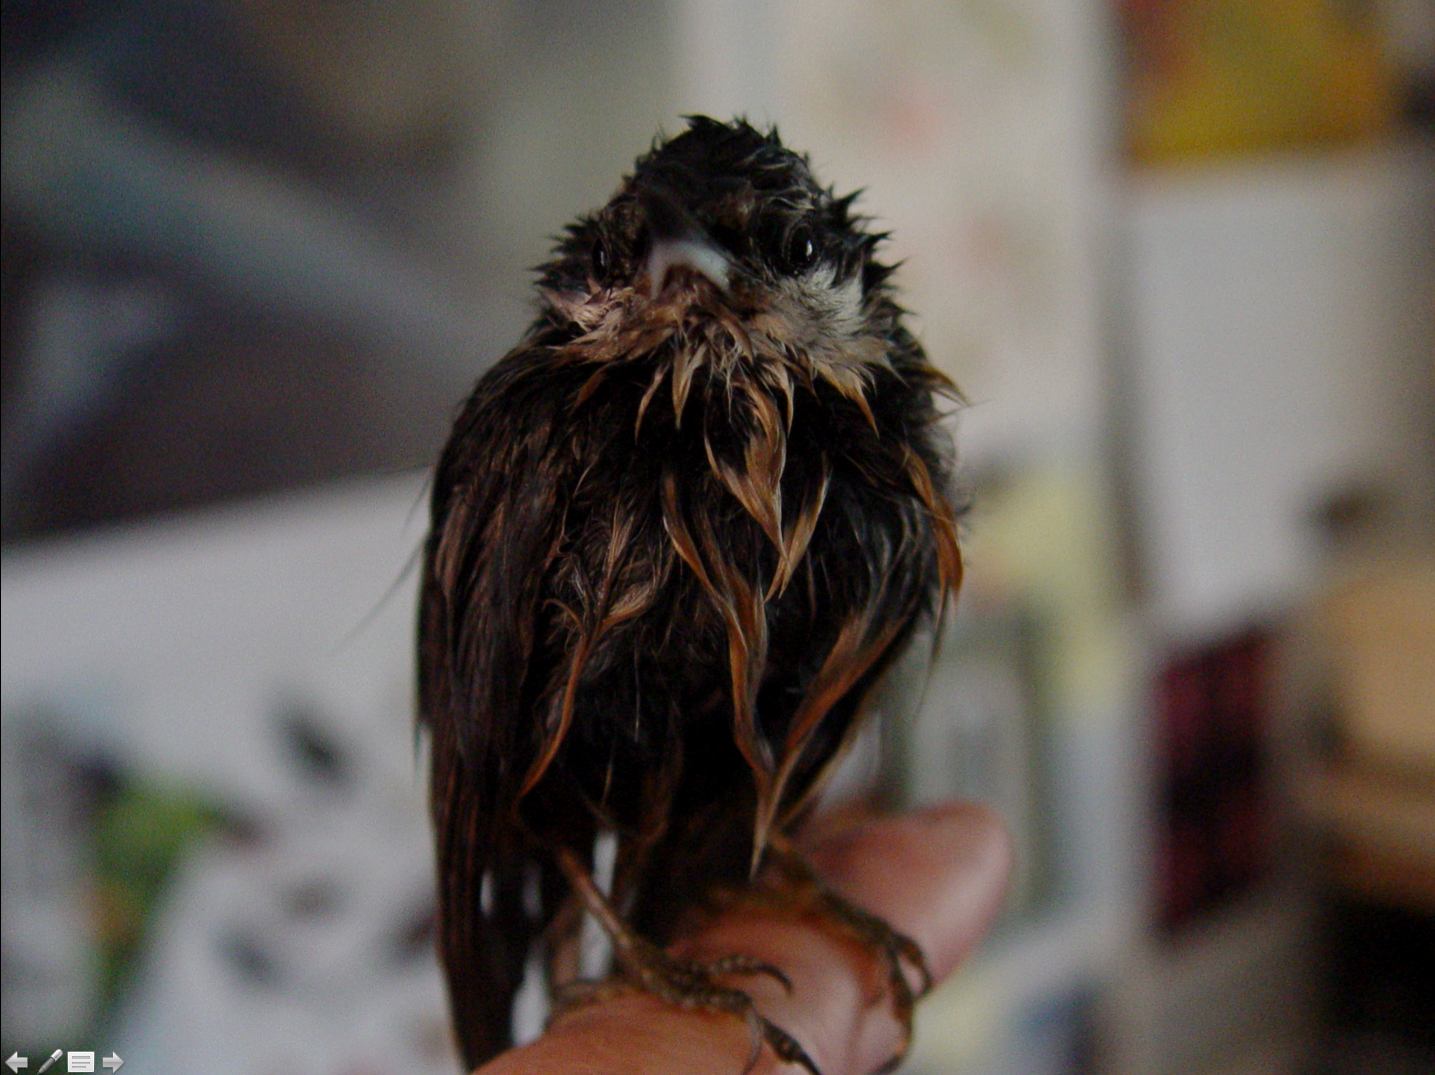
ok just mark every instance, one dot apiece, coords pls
pixel 971 854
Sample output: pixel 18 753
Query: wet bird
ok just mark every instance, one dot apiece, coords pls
pixel 678 535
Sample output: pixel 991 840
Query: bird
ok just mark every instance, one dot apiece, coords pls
pixel 678 534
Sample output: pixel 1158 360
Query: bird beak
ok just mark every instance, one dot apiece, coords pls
pixel 679 240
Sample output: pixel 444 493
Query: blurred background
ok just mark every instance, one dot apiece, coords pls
pixel 1179 254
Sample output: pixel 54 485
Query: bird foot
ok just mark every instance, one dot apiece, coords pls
pixel 693 986
pixel 799 888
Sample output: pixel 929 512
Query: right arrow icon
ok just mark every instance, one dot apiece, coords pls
pixel 112 1062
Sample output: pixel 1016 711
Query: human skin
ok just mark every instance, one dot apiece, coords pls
pixel 938 875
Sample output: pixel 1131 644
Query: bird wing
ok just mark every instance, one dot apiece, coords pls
pixel 497 514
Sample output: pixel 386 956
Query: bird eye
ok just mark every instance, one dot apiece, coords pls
pixel 600 259
pixel 799 250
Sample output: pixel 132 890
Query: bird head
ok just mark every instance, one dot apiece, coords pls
pixel 723 234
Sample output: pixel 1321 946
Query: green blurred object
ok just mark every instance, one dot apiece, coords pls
pixel 141 831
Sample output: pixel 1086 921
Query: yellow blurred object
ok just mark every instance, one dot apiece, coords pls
pixel 1379 626
pixel 1212 78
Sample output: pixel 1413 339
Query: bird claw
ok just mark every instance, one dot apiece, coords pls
pixel 783 1044
pixel 898 952
pixel 740 964
pixel 692 985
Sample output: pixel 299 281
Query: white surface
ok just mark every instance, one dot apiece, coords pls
pixel 1282 334
pixel 172 648
pixel 203 624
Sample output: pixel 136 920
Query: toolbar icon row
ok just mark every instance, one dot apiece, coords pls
pixel 79 1061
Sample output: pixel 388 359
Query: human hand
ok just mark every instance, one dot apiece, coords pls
pixel 938 875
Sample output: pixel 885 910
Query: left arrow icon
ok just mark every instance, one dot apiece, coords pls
pixel 16 1062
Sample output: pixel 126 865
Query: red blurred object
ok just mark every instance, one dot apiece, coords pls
pixel 1214 820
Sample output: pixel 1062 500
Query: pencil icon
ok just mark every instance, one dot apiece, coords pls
pixel 53 1057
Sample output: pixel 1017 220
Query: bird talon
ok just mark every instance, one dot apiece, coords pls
pixel 740 964
pixel 802 887
pixel 906 949
pixel 692 984
pixel 785 1046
